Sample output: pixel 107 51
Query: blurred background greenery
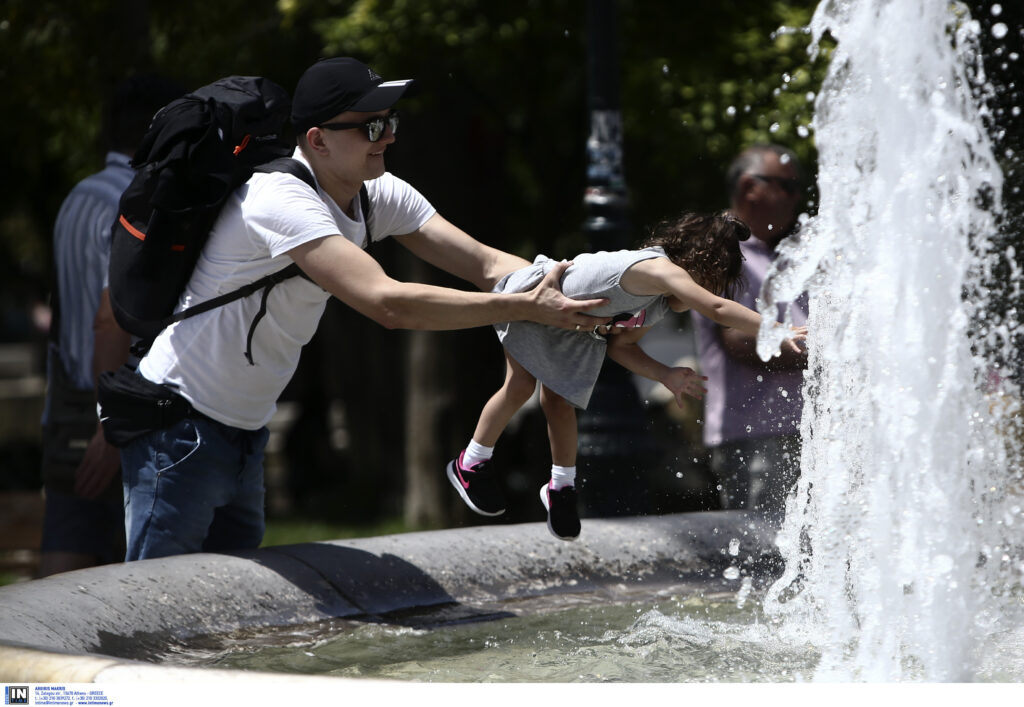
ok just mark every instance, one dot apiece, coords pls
pixel 494 136
pixel 502 94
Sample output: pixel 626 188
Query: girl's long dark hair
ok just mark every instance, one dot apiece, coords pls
pixel 707 246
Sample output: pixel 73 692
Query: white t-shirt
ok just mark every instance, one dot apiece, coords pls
pixel 204 356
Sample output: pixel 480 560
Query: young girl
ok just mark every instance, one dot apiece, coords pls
pixel 685 264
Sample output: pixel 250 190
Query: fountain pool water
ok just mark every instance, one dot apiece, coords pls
pixel 698 636
pixel 903 541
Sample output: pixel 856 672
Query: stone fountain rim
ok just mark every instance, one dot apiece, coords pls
pixel 94 625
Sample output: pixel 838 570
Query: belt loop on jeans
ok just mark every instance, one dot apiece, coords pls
pixel 177 408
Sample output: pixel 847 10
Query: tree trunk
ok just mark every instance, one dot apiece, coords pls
pixel 426 399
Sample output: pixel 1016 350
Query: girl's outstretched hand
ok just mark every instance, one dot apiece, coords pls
pixel 684 381
pixel 799 336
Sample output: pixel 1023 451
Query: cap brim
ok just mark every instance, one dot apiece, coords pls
pixel 384 96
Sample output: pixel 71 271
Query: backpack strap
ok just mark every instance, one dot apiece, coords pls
pixel 267 282
pixel 290 271
pixel 364 202
pixel 283 164
pixel 292 166
pixel 289 165
pixel 295 168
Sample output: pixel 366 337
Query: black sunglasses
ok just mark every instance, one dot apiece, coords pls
pixel 790 185
pixel 374 126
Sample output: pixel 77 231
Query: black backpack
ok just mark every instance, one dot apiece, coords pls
pixel 197 150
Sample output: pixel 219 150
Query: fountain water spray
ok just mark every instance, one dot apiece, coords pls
pixel 898 558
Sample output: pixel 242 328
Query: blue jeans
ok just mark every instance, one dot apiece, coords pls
pixel 196 486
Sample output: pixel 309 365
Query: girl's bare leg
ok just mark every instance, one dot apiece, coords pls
pixel 562 433
pixel 559 494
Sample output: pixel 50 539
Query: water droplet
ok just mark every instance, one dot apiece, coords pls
pixel 773 128
pixel 731 573
pixel 802 131
pixel 999 30
pixel 734 547
pixel 997 9
pixel 745 586
pixel 730 111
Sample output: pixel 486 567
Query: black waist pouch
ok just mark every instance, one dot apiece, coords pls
pixel 131 406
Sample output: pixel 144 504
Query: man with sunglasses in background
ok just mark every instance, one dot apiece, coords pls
pixel 197 485
pixel 752 408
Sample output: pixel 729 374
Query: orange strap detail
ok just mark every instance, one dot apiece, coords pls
pixel 142 236
pixel 131 229
pixel 239 148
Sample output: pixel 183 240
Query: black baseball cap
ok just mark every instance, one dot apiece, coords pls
pixel 339 84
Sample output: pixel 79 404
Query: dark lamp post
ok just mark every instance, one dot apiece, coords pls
pixel 615 449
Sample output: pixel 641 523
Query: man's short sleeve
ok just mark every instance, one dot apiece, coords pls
pixel 396 207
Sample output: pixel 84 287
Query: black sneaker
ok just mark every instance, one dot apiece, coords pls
pixel 477 485
pixel 563 520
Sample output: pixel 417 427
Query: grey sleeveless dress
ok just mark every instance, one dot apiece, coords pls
pixel 568 362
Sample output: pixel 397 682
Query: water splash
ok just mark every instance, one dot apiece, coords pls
pixel 895 539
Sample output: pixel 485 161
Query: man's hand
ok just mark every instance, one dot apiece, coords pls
pixel 98 467
pixel 555 309
pixel 684 381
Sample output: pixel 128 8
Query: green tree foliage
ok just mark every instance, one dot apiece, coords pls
pixel 52 82
pixel 508 81
pixel 704 80
pixel 60 60
pixel 501 109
